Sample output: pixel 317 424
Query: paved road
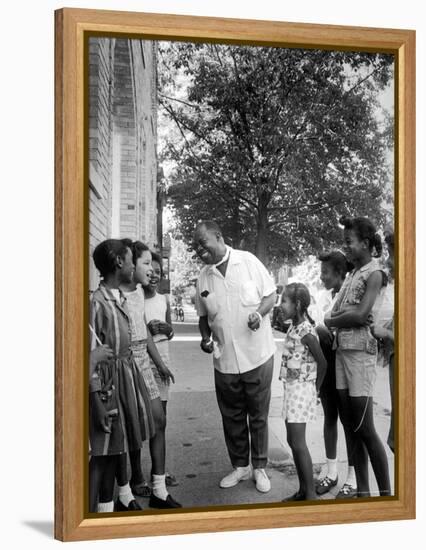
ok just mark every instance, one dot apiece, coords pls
pixel 196 451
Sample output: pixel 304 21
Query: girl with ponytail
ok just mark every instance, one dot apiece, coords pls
pixel 303 368
pixel 356 354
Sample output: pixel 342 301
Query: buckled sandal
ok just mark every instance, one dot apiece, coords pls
pixel 142 490
pixel 325 485
pixel 347 491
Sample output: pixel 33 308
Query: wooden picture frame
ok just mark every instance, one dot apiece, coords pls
pixel 71 340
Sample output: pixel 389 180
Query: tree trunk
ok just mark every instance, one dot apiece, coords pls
pixel 261 249
pixel 236 228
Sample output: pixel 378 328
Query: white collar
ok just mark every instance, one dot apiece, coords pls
pixel 225 258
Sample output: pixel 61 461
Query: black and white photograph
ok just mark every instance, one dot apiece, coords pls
pixel 241 274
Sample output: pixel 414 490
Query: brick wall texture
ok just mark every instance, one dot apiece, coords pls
pixel 122 142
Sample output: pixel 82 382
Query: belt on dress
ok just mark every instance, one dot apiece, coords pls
pixel 138 345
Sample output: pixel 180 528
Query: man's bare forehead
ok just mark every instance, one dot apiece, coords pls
pixel 202 232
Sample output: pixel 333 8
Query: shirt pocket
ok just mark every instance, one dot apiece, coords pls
pixel 249 294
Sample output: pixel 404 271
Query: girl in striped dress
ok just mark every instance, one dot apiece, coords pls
pixel 120 412
pixel 142 345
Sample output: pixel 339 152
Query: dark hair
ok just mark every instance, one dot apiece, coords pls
pixel 157 258
pixel 389 237
pixel 106 253
pixel 365 230
pixel 127 242
pixel 338 262
pixel 299 292
pixel 138 248
pixel 210 225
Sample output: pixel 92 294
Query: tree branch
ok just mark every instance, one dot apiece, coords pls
pixel 180 122
pixel 305 213
pixel 362 80
pixel 198 107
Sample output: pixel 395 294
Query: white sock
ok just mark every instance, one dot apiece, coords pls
pixel 351 478
pixel 106 506
pixel 159 486
pixel 125 494
pixel 332 468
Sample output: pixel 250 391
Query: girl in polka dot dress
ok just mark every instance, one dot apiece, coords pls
pixel 303 368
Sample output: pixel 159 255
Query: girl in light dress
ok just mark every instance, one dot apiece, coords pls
pixel 158 318
pixel 143 348
pixel 302 370
pixel 383 329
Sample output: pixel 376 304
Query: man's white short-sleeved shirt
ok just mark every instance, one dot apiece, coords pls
pixel 227 302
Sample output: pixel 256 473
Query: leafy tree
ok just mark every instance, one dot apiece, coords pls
pixel 275 144
pixel 184 269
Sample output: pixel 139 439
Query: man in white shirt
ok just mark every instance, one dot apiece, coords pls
pixel 234 296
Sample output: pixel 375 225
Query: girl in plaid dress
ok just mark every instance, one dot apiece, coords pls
pixel 302 370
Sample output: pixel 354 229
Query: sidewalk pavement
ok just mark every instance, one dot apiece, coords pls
pixel 196 451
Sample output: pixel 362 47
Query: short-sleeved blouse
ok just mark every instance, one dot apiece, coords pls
pixel 355 286
pixel 135 302
pixel 298 363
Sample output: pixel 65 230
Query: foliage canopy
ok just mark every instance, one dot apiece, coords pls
pixel 275 144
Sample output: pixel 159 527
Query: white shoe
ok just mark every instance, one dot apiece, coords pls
pixel 237 475
pixel 262 480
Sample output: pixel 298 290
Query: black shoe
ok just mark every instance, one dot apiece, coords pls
pixel 133 505
pixel 170 502
pixel 296 496
pixel 324 485
pixel 347 491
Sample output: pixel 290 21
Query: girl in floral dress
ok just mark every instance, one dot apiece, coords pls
pixel 302 370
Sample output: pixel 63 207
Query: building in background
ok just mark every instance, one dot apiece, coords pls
pixel 122 143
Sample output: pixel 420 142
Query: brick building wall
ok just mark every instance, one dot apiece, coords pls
pixel 122 142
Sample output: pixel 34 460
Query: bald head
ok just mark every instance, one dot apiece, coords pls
pixel 209 225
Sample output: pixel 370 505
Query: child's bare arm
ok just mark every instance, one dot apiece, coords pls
pixel 383 333
pixel 97 355
pixel 168 313
pixel 99 413
pixel 164 371
pixel 169 327
pixel 312 343
pixel 344 308
pixel 357 315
